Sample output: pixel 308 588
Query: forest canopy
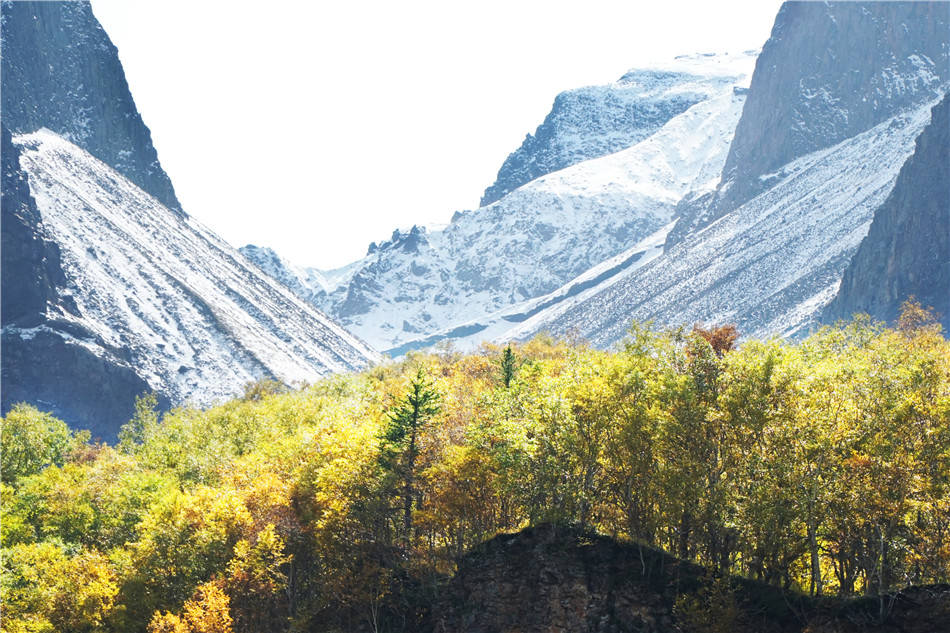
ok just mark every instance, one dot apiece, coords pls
pixel 820 466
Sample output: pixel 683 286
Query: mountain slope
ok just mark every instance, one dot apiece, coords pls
pixel 771 265
pixel 838 96
pixel 828 71
pixel 152 291
pixel 594 121
pixel 536 238
pixel 61 71
pixel 907 250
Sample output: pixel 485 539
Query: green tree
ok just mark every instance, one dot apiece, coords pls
pixel 507 366
pixel 399 448
pixel 143 422
pixel 32 440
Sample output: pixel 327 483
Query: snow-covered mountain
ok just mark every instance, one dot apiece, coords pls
pixel 546 232
pixel 159 293
pixel 594 121
pixel 769 266
pixel 109 290
pixel 826 128
pixel 721 208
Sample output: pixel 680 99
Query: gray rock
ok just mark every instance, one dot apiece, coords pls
pixel 61 71
pixel 907 249
pixel 829 71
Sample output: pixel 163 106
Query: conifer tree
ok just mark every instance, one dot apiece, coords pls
pixel 507 366
pixel 400 441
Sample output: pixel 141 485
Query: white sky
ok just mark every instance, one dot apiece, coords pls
pixel 317 127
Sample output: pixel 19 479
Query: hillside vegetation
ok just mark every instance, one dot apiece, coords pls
pixel 817 467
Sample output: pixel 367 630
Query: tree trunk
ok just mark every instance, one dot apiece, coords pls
pixel 407 490
pixel 815 560
pixel 685 527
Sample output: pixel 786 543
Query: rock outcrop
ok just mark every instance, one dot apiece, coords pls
pixel 551 578
pixel 907 250
pixel 61 71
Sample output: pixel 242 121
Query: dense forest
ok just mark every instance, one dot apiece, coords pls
pixel 820 466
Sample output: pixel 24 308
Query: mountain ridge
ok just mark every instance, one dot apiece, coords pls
pixel 155 291
pixel 594 121
pixel 539 236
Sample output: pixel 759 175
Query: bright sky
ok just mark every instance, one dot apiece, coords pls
pixel 317 127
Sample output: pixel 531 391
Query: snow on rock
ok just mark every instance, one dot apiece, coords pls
pixel 187 311
pixel 498 327
pixel 771 265
pixel 594 121
pixel 545 233
pixel 535 239
pixel 303 281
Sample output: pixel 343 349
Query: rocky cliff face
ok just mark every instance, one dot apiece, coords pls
pixel 31 264
pixel 594 121
pixel 907 249
pixel 829 71
pixel 61 71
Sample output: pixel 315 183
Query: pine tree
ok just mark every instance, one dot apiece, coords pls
pixel 400 439
pixel 507 366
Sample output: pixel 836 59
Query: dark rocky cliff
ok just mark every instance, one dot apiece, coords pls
pixel 31 264
pixel 829 71
pixel 552 578
pixel 61 71
pixel 907 249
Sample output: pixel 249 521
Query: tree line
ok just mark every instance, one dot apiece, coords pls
pixel 820 466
